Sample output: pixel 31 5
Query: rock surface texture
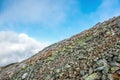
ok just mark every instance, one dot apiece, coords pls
pixel 93 54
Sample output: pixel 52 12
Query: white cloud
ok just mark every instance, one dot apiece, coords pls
pixel 17 47
pixel 107 9
pixel 45 12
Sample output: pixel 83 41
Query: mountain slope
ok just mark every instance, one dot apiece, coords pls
pixel 91 55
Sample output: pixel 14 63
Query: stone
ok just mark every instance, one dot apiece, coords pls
pixel 67 66
pixel 100 68
pixel 93 76
pixel 24 75
pixel 104 77
pixel 110 77
pixel 90 70
pixel 113 69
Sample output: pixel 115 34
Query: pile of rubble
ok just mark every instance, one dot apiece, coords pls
pixel 91 55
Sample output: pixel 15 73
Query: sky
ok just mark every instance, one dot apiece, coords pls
pixel 28 26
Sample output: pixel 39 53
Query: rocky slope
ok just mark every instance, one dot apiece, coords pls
pixel 91 55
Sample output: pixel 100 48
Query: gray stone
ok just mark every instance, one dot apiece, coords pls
pixel 90 70
pixel 93 76
pixel 100 68
pixel 104 77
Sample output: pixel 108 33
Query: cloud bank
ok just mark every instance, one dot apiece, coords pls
pixel 16 47
pixel 44 12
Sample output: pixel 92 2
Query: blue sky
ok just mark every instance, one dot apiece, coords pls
pixel 43 22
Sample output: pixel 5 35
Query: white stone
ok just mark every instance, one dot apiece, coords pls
pixel 24 75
